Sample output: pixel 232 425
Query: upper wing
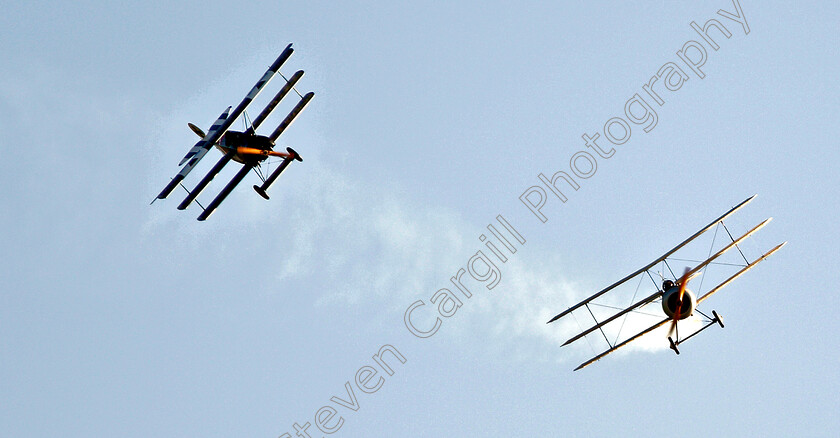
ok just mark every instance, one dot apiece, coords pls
pixel 653 263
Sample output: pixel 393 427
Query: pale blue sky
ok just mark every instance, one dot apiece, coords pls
pixel 122 319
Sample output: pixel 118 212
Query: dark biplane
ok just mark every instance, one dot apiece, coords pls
pixel 246 147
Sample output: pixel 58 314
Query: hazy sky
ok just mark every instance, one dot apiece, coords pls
pixel 430 119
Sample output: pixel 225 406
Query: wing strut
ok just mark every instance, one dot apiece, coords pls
pixel 277 98
pixel 727 248
pixel 641 303
pixel 739 273
pixel 617 346
pixel 291 116
pixel 225 191
pixel 261 190
pixel 206 180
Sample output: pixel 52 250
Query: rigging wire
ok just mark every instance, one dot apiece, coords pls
pixel 736 246
pixel 632 300
pixel 711 248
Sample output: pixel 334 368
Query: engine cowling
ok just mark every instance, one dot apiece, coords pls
pixel 670 302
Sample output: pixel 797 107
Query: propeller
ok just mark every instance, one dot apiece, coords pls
pixel 683 282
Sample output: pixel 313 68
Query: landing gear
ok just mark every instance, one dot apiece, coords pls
pixel 714 319
pixel 717 318
pixel 673 345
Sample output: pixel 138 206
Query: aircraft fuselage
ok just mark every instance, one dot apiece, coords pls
pixel 235 139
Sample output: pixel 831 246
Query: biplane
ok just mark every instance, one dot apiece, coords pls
pixel 245 147
pixel 678 302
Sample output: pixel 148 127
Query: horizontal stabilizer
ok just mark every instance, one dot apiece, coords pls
pixel 203 144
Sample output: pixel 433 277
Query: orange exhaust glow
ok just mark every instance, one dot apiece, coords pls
pixel 254 151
